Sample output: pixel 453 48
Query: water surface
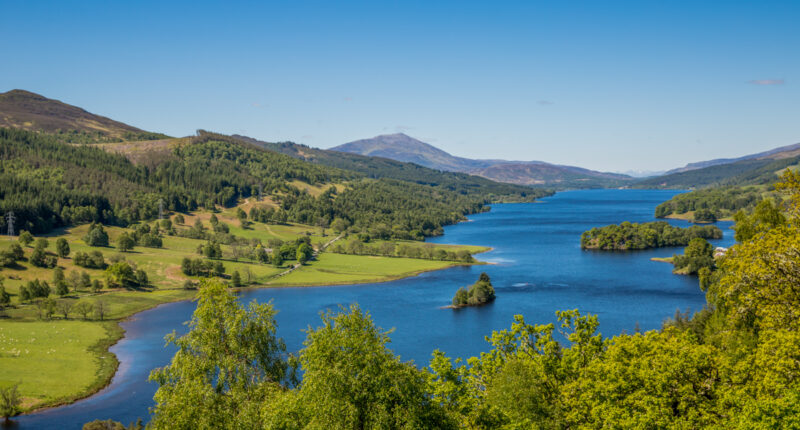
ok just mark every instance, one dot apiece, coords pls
pixel 538 268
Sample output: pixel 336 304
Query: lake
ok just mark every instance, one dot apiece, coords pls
pixel 537 268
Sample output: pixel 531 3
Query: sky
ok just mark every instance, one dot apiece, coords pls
pixel 607 85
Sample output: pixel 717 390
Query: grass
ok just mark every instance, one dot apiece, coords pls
pixel 331 269
pixel 56 361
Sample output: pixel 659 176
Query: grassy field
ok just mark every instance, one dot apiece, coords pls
pixel 56 361
pixel 332 269
pixel 60 360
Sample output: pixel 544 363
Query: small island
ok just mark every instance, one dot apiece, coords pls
pixel 478 294
pixel 633 236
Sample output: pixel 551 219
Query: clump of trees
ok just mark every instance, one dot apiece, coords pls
pixel 200 267
pixel 631 236
pixel 697 255
pixel 479 293
pixel 362 246
pixel 91 260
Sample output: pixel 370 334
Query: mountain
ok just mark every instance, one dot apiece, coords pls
pixel 30 111
pixel 787 151
pixel 401 147
pixel 380 167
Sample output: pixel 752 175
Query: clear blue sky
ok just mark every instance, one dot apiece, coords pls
pixel 606 85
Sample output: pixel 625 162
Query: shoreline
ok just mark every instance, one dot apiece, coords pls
pixel 118 333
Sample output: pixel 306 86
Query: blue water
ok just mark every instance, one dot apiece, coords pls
pixel 538 268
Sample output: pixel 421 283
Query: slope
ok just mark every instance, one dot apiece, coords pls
pixel 29 111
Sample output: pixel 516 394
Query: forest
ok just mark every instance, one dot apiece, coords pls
pixel 632 236
pixel 733 364
pixel 50 184
pixel 714 202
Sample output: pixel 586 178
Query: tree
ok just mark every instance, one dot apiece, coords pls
pixel 83 308
pixel 227 365
pixel 62 247
pixel 16 252
pixel 352 380
pixel 96 236
pixel 112 425
pixel 46 307
pixel 120 274
pixel 236 279
pixel 5 298
pixel 10 400
pixel 125 242
pixel 42 243
pixel 100 309
pixel 277 258
pixel 304 253
pixel 25 238
pixel 64 306
pixel 96 285
pixel 38 257
pixel 179 219
pixel 62 289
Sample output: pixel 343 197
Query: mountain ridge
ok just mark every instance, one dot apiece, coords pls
pixel 402 147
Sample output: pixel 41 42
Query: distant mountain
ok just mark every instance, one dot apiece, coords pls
pixel 744 172
pixel 380 167
pixel 30 111
pixel 787 151
pixel 404 148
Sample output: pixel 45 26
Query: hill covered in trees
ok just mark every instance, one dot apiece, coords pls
pixel 48 184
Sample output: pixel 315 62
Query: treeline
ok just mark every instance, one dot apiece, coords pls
pixel 734 364
pixel 710 204
pixel 631 236
pixel 389 249
pixel 49 184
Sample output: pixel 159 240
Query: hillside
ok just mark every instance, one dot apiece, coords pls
pixel 29 111
pixel 380 167
pixel 744 172
pixel 782 152
pixel 405 148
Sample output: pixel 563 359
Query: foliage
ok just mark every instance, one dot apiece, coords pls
pixel 479 293
pixel 10 401
pixel 62 247
pixel 697 255
pixel 764 217
pixel 352 380
pixel 96 236
pixel 630 236
pixel 227 365
pixel 712 203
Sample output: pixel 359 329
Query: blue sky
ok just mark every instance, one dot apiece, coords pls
pixel 608 85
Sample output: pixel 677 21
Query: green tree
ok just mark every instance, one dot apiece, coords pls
pixel 352 380
pixel 25 238
pixel 236 279
pixel 42 243
pixel 125 242
pixel 304 253
pixel 697 255
pixel 83 308
pixel 10 401
pixel 62 247
pixel 227 365
pixel 96 236
pixel 179 219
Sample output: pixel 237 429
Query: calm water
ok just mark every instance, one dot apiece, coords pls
pixel 538 268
